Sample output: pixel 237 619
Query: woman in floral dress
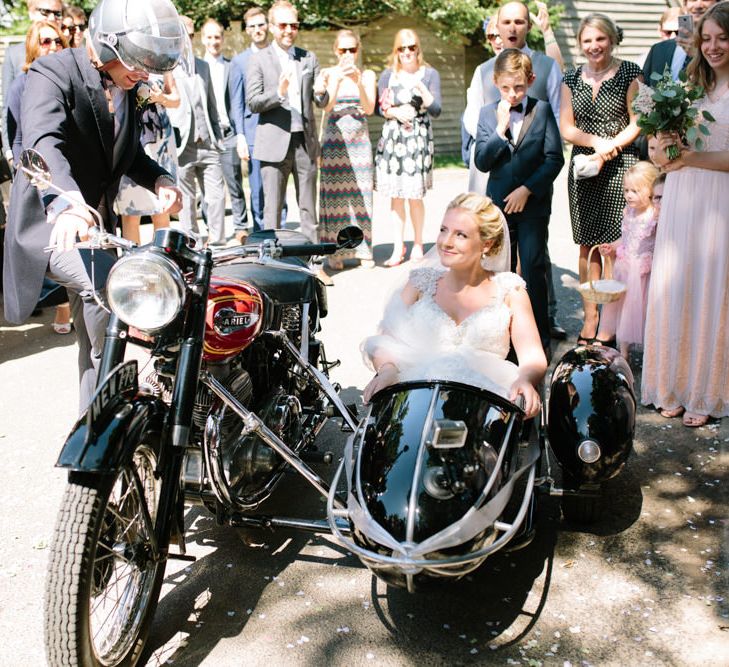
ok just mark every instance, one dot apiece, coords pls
pixel 409 94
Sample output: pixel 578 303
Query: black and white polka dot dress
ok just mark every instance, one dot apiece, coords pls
pixel 596 204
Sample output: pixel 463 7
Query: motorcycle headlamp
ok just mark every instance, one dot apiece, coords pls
pixel 146 290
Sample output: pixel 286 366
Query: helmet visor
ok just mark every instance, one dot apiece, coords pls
pixel 157 48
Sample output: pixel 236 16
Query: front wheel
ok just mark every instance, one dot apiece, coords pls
pixel 103 580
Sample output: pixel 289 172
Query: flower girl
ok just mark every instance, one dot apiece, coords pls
pixel 624 319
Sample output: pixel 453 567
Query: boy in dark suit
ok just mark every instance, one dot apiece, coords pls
pixel 518 142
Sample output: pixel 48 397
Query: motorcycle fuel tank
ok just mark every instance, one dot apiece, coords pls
pixel 233 320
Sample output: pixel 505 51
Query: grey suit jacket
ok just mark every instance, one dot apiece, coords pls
pixel 273 133
pixel 66 118
pixel 182 117
pixel 14 59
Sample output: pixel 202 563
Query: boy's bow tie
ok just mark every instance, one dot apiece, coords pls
pixel 518 107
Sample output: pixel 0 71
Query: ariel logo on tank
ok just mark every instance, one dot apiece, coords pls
pixel 227 320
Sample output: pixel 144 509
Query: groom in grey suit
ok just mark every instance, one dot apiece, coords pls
pixel 280 87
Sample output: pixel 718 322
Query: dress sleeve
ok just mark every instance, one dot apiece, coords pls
pixel 508 282
pixel 425 280
pixel 569 78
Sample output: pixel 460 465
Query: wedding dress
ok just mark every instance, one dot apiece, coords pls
pixel 428 344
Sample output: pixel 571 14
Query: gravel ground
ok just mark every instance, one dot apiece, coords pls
pixel 647 585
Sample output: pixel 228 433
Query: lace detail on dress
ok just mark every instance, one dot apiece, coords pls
pixel 425 279
pixel 507 282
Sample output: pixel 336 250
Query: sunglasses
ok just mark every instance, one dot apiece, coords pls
pixel 347 49
pixel 282 26
pixel 47 41
pixel 73 29
pixel 670 33
pixel 493 35
pixel 407 47
pixel 50 12
pixel 255 26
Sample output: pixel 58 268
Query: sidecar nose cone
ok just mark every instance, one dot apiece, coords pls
pixel 589 451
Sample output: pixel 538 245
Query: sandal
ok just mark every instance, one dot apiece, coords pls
pixel 584 340
pixel 670 414
pixel 692 420
pixel 62 328
pixel 610 342
pixel 394 261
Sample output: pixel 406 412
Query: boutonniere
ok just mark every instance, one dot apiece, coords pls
pixel 143 94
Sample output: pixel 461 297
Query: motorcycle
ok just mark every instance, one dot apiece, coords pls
pixel 439 475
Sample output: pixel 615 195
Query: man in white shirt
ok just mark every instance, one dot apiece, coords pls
pixel 212 39
pixel 280 88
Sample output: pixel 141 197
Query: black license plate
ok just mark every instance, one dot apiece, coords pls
pixel 120 383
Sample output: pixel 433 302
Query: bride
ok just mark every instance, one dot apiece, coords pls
pixel 455 320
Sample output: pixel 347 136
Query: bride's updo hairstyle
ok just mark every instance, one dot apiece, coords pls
pixel 487 215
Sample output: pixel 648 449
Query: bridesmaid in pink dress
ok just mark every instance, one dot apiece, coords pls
pixel 686 357
pixel 624 320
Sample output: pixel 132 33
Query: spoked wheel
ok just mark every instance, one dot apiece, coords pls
pixel 103 580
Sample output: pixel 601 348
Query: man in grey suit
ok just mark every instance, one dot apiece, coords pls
pixel 199 149
pixel 38 10
pixel 280 88
pixel 220 72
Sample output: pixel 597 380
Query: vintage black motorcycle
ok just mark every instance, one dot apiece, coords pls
pixel 437 475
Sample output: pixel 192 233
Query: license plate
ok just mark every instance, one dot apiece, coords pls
pixel 121 382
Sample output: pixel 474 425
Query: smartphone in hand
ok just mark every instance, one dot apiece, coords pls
pixel 685 26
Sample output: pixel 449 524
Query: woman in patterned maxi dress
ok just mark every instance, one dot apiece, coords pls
pixel 345 183
pixel 686 349
pixel 409 93
pixel 596 116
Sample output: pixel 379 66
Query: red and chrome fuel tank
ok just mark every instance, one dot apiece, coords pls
pixel 233 320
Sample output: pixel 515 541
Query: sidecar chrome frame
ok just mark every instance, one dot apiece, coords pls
pixel 452 566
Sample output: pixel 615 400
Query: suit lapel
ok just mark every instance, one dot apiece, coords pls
pixel 528 120
pixel 99 105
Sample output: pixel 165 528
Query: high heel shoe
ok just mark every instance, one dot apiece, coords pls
pixel 394 260
pixel 416 254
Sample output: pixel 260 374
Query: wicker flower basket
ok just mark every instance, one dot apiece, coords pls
pixel 604 290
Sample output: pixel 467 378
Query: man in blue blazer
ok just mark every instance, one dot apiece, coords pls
pixel 518 142
pixel 243 119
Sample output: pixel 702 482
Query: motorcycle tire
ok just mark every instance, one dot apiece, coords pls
pixel 103 584
pixel 581 510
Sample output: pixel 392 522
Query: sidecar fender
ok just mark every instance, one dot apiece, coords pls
pixel 100 446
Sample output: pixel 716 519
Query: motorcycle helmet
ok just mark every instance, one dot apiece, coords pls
pixel 142 34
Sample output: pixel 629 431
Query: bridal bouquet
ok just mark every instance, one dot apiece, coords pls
pixel 668 106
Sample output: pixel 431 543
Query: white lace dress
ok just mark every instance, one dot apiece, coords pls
pixel 429 345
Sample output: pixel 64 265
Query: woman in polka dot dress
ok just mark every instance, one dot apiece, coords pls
pixel 596 117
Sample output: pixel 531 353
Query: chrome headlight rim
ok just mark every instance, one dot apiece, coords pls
pixel 146 258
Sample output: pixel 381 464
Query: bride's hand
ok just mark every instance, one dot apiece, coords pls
pixel 532 402
pixel 385 376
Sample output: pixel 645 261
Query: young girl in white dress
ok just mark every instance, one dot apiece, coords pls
pixel 624 320
pixel 455 321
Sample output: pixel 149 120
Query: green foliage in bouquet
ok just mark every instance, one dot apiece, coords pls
pixel 668 106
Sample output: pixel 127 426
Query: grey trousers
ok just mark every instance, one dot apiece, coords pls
pixel 201 164
pixel 73 270
pixel 275 176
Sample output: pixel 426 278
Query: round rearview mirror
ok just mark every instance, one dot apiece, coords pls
pixel 350 237
pixel 34 166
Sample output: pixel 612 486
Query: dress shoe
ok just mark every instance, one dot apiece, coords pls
pixel 555 330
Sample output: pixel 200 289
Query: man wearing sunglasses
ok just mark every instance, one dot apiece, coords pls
pixel 244 120
pixel 280 87
pixel 79 112
pixel 38 10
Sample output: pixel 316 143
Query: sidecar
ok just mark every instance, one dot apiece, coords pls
pixel 439 476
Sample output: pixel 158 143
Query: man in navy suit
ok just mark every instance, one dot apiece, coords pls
pixel 212 38
pixel 518 142
pixel 243 119
pixel 675 53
